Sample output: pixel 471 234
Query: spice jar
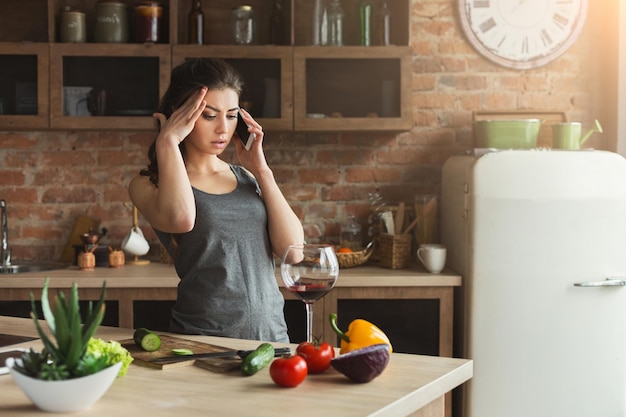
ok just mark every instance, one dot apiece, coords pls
pixel 86 261
pixel 116 258
pixel 148 16
pixel 243 25
pixel 111 24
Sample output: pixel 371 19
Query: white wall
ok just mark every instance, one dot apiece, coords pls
pixel 621 103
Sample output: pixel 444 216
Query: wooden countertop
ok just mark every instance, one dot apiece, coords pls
pixel 410 383
pixel 158 275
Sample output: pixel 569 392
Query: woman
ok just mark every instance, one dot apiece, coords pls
pixel 221 223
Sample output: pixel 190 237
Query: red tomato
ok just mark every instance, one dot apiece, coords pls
pixel 317 355
pixel 288 371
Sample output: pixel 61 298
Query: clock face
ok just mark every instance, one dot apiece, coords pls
pixel 522 34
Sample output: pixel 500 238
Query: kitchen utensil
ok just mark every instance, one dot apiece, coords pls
pixel 231 353
pixel 568 135
pixel 81 224
pixel 432 256
pixel 596 128
pixel 507 134
pixel 399 221
pixel 134 243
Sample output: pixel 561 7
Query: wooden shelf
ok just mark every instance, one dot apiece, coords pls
pixel 346 80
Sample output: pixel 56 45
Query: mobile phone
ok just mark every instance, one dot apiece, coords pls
pixel 242 132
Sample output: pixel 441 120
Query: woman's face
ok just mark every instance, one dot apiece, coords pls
pixel 215 126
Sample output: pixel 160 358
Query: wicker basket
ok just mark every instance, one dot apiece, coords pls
pixel 394 251
pixel 352 259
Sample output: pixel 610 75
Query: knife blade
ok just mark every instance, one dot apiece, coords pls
pixel 241 353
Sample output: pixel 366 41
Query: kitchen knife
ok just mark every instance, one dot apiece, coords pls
pixel 241 353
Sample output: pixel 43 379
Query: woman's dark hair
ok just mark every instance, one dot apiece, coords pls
pixel 187 78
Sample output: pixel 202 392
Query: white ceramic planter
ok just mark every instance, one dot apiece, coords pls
pixel 68 395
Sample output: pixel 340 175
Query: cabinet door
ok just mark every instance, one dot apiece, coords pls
pixel 352 88
pixel 268 76
pixel 23 85
pixel 113 86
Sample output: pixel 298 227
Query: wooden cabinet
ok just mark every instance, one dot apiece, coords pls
pixel 268 74
pixel 288 87
pixel 130 78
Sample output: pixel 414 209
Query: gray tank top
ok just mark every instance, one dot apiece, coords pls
pixel 227 285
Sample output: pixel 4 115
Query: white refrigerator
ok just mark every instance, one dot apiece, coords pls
pixel 539 237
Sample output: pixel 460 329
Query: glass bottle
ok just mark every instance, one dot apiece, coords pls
pixel 384 24
pixel 318 11
pixel 196 24
pixel 365 16
pixel 278 32
pixel 243 26
pixel 335 23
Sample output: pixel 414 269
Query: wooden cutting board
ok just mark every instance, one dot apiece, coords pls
pixel 143 358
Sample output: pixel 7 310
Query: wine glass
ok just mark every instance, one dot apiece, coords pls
pixel 309 271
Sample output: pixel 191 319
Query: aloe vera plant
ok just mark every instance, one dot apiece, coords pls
pixel 64 357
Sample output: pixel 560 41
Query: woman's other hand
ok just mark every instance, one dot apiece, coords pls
pixel 254 159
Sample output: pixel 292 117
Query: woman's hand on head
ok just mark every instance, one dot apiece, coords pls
pixel 183 119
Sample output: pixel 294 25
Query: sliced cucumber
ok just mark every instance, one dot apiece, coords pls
pixel 146 339
pixel 182 351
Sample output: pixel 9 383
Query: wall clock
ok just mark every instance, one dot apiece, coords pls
pixel 522 34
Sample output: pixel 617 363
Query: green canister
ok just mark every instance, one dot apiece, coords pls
pixel 111 23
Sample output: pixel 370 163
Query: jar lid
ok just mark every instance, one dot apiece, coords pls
pixel 244 7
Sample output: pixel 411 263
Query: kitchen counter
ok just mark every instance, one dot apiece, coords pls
pixel 157 281
pixel 411 385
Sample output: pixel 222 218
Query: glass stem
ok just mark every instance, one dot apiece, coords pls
pixel 309 322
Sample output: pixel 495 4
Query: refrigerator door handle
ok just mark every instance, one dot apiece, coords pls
pixel 609 282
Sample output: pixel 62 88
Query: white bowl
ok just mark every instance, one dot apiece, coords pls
pixel 68 395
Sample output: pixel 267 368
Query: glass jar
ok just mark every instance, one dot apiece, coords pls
pixel 148 17
pixel 335 23
pixel 351 235
pixel 243 26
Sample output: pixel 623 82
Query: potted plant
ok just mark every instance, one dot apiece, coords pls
pixel 73 370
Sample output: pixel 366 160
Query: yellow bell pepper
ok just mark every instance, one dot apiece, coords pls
pixel 361 333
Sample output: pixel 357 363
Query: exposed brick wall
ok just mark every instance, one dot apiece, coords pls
pixel 49 178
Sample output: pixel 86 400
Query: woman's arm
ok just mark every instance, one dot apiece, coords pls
pixel 283 225
pixel 170 207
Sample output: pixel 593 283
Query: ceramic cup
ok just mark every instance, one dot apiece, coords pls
pixel 134 243
pixel 566 135
pixel 432 256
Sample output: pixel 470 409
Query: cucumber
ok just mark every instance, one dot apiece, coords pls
pixel 146 339
pixel 182 351
pixel 259 359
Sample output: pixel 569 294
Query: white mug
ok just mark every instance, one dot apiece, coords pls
pixel 134 243
pixel 432 256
